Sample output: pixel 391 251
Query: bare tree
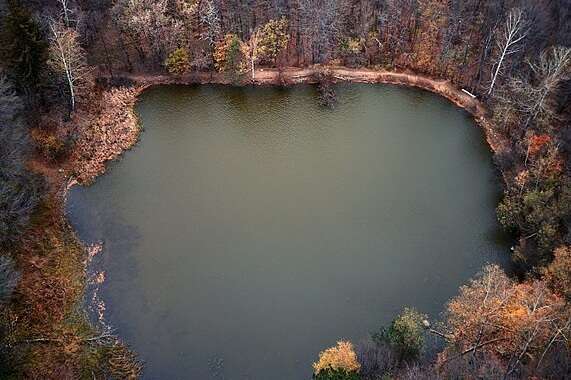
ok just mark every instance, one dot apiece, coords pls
pixel 250 51
pixel 210 20
pixel 551 70
pixel 66 12
pixel 513 32
pixel 532 97
pixel 149 24
pixel 320 23
pixel 67 58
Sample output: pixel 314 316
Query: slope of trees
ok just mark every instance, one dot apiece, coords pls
pixel 472 42
pixel 20 190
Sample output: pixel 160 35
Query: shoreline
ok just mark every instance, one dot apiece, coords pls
pixel 275 77
pixel 107 126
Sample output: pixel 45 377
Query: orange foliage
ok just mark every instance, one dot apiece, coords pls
pixel 503 319
pixel 341 357
pixel 536 142
pixel 558 273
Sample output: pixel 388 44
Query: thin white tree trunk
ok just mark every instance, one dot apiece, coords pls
pixel 500 61
pixel 66 67
pixel 71 89
pixel 514 32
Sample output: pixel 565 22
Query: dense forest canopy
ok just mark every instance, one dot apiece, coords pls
pixel 59 58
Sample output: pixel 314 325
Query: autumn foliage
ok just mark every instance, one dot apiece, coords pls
pixel 558 273
pixel 338 358
pixel 498 320
pixel 227 54
pixel 178 62
pixel 537 142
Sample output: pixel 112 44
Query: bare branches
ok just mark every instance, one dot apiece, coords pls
pixel 320 23
pixel 513 32
pixel 551 70
pixel 532 96
pixel 472 349
pixel 210 20
pixel 553 65
pixel 66 12
pixel 149 24
pixel 68 58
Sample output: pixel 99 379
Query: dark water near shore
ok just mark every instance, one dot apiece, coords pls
pixel 250 228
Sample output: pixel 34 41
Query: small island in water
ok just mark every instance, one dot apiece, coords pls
pixel 315 189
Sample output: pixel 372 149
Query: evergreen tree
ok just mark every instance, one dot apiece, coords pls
pixel 22 47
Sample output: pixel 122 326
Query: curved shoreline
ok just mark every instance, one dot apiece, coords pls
pixel 125 126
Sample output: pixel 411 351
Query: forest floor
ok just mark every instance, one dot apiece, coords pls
pixel 105 126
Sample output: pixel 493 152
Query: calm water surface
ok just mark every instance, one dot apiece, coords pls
pixel 249 229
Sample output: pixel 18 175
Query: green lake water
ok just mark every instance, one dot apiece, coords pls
pixel 250 228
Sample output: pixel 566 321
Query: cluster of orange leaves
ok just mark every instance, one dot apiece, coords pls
pixel 537 142
pixel 340 357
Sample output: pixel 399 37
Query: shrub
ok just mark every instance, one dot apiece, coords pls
pixel 351 50
pixel 339 362
pixel 122 363
pixel 273 39
pixel 537 214
pixel 377 359
pixel 51 145
pixel 405 335
pixel 178 62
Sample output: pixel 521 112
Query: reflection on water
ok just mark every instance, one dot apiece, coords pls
pixel 250 229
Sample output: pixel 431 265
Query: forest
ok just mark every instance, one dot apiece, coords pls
pixel 69 76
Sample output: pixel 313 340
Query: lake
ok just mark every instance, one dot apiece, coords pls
pixel 251 228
